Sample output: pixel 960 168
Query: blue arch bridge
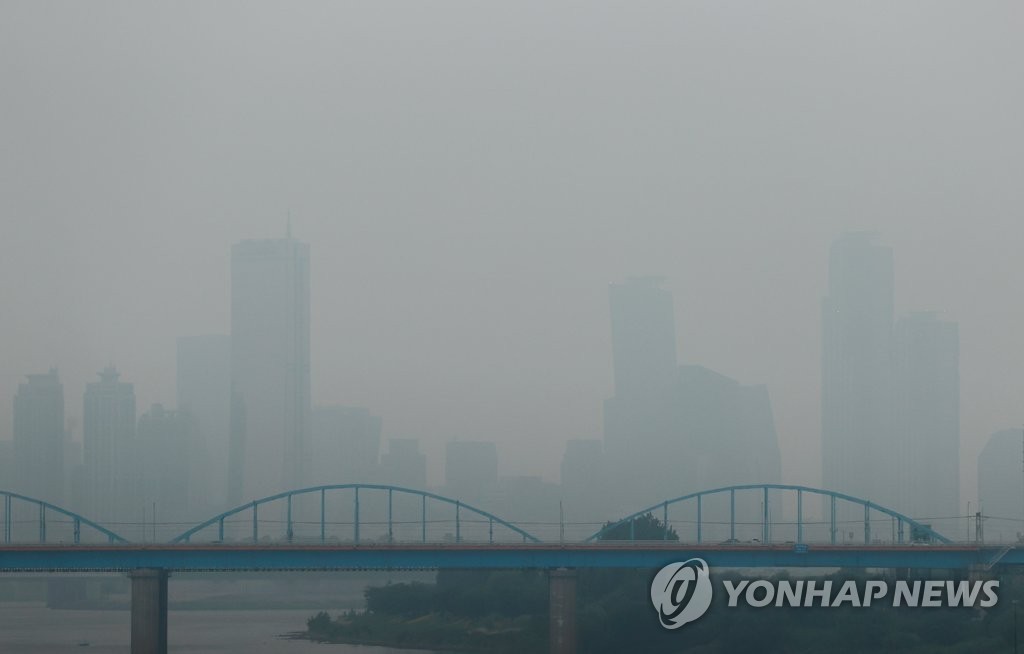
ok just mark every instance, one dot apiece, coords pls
pixel 380 527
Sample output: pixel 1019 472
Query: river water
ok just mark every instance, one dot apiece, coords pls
pixel 38 630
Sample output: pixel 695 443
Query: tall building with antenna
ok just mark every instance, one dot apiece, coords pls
pixel 270 366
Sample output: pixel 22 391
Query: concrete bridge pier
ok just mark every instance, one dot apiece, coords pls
pixel 979 572
pixel 149 610
pixel 562 610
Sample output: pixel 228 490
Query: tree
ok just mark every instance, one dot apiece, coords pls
pixel 644 527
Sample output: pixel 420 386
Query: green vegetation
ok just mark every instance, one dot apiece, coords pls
pixel 500 611
pixel 644 527
pixel 506 611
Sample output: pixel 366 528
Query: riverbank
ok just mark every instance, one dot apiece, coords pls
pixel 26 629
pixel 431 631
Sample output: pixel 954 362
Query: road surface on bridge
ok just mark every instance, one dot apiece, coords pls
pixel 383 556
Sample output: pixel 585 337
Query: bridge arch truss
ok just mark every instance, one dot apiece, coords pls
pixel 317 500
pixel 833 503
pixel 19 510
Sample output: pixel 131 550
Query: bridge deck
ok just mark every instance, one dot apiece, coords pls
pixel 283 557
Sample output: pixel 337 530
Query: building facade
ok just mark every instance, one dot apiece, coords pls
pixel 40 438
pixel 270 365
pixel 638 419
pixel 167 446
pixel 204 392
pixel 927 420
pixel 108 449
pixel 1001 487
pixel 858 455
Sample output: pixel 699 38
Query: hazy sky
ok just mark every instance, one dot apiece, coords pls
pixel 471 175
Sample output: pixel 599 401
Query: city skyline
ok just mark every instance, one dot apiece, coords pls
pixel 908 354
pixel 467 316
pixel 472 207
pixel 270 367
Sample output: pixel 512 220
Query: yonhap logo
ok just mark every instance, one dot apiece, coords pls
pixel 681 592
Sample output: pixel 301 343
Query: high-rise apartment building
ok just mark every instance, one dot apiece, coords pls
pixel 39 438
pixel 166 448
pixel 109 442
pixel 270 361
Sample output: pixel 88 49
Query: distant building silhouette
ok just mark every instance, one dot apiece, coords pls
pixel 346 445
pixel 1001 486
pixel 675 429
pixel 890 392
pixel 530 501
pixel 167 444
pixel 403 464
pixel 927 420
pixel 204 391
pixel 471 471
pixel 638 419
pixel 270 363
pixel 728 431
pixel 643 337
pixel 582 464
pixel 7 465
pixel 40 438
pixel 856 371
pixel 108 442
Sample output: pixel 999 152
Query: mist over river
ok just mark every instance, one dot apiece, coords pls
pixel 34 629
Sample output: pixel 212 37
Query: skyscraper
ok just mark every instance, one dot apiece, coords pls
pixel 167 445
pixel 643 337
pixel 856 364
pixel 39 438
pixel 109 441
pixel 678 429
pixel 1001 486
pixel 270 363
pixel 927 419
pixel 204 391
pixel 638 419
pixel 727 432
